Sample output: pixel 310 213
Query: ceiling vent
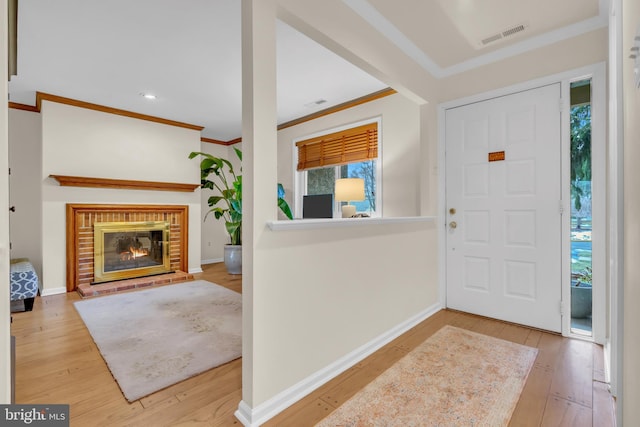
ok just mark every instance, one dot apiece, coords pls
pixel 315 103
pixel 503 34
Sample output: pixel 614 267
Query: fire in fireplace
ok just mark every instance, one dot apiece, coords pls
pixel 123 250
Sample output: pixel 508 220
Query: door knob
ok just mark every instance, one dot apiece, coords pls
pixel 453 224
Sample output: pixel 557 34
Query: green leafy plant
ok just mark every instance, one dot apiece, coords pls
pixel 580 117
pixel 584 277
pixel 218 174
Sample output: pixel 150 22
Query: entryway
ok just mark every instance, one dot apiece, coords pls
pixel 504 210
pixel 516 161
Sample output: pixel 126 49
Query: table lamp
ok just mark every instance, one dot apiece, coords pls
pixel 347 190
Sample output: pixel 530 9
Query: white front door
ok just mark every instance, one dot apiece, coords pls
pixel 503 201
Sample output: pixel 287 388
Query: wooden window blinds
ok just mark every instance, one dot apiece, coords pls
pixel 339 148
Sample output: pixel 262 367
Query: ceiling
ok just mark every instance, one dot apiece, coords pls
pixel 187 53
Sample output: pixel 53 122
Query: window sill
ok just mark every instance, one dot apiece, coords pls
pixel 311 224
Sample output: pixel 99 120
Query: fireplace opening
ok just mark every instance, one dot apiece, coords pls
pixel 124 250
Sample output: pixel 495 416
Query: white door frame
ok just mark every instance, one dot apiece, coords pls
pixel 5 322
pixel 597 72
pixel 613 346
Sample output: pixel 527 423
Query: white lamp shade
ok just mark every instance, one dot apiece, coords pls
pixel 348 189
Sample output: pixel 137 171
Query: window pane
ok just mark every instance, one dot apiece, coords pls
pixel 321 181
pixel 367 171
pixel 581 224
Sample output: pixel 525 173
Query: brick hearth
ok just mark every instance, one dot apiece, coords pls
pixel 86 290
pixel 80 220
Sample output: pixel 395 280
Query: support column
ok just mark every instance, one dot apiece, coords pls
pixel 259 142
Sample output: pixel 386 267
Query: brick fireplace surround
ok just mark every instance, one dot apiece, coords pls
pixel 80 220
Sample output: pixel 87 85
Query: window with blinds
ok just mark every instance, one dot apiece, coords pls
pixel 339 148
pixel 344 153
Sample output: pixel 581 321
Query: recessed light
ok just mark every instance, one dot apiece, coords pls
pixel 148 95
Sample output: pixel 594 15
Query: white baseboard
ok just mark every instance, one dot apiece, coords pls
pixel 606 351
pixel 253 417
pixel 53 291
pixel 211 261
pixel 243 414
pixel 195 270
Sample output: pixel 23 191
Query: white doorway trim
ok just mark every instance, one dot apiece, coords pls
pixel 613 347
pixel 598 74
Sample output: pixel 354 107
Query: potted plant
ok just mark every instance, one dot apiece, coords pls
pixel 227 202
pixel 581 294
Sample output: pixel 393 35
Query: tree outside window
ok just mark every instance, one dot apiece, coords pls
pixel 322 181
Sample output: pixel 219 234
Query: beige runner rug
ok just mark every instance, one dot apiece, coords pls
pixel 456 378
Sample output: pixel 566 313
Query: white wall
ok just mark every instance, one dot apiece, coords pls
pixel 324 293
pixel 586 49
pixel 631 117
pixel 82 142
pixel 329 291
pixel 316 296
pixel 25 186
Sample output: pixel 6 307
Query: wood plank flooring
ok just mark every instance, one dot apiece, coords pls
pixel 57 362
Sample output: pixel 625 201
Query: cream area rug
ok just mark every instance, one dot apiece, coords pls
pixel 456 378
pixel 157 337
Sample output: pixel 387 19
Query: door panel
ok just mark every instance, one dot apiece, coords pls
pixel 503 180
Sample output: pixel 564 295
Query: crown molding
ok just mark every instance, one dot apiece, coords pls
pixel 331 110
pixel 41 96
pixel 214 141
pixel 345 105
pixel 219 142
pixel 234 141
pixel 24 107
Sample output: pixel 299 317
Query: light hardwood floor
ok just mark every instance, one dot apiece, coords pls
pixel 57 362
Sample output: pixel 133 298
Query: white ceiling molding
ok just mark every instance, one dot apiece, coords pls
pixel 390 31
pixel 371 15
pixel 526 45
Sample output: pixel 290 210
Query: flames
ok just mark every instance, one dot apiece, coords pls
pixel 133 253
